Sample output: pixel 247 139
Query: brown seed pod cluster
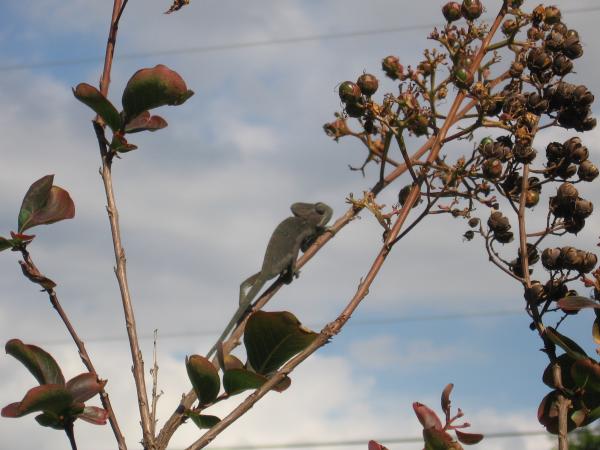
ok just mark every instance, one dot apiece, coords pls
pixel 500 227
pixel 568 205
pixel 569 258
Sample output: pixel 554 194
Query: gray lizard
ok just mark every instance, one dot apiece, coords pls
pixel 292 235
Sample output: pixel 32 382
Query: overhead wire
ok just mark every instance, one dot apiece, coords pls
pixel 242 45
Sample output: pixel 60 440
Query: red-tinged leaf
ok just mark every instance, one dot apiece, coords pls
pixel 272 338
pixel 22 237
pixel 47 397
pixel 5 243
pixel 36 277
pixel 565 362
pixel 548 413
pixel 586 374
pixel 446 397
pixel 44 204
pixel 373 445
pixel 437 439
pixel 153 87
pixel 204 377
pixel 145 122
pixel 427 416
pixel 576 303
pixel 11 410
pixel 236 381
pixel 94 415
pixel 203 421
pixel 568 345
pixel 84 386
pixel 120 144
pixel 41 365
pixel 596 331
pixel 468 438
pixel 93 98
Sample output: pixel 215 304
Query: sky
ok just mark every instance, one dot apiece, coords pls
pixel 199 199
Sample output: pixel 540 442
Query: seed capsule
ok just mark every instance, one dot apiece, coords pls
pixel 392 67
pixel 349 92
pixel 471 9
pixel 551 258
pixel 368 84
pixel 587 171
pixel 451 11
pixel 571 258
pixel 589 262
pixel 567 192
pixel 536 294
pixel 583 208
pixel 492 169
pixel 552 15
pixel 498 223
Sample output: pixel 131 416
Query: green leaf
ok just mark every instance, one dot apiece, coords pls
pixel 153 87
pixel 586 373
pixel 93 98
pixel 5 243
pixel 94 415
pixel 272 338
pixel 576 303
pixel 51 420
pixel 47 397
pixel 203 421
pixel 568 345
pixel 236 381
pixel 84 386
pixel 145 122
pixel 41 365
pixel 45 204
pixel 469 438
pixel 204 377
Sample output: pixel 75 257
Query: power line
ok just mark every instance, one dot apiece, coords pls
pixel 364 322
pixel 363 442
pixel 243 45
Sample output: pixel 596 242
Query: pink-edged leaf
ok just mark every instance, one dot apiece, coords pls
pixel 47 397
pixel 93 98
pixel 468 438
pixel 34 275
pixel 145 122
pixel 11 410
pixel 446 397
pixel 374 445
pixel 84 386
pixel 576 303
pixel 39 362
pixel 94 415
pixel 427 416
pixel 153 87
pixel 44 204
pixel 20 237
pixel 51 420
pixel 120 144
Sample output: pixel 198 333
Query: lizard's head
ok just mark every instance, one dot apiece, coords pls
pixel 317 213
pixel 323 212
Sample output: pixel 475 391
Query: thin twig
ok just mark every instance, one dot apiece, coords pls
pixel 83 354
pixel 155 394
pixel 113 215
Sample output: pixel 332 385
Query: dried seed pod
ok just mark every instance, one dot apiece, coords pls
pixel 486 147
pixel 555 151
pixel 561 209
pixel 575 150
pixel 587 171
pixel 554 41
pixel 535 33
pixel 537 104
pixel 552 15
pixel 474 222
pixel 512 184
pixel 492 169
pixel 392 67
pixel 349 92
pixel 403 195
pixel 451 11
pixel 555 289
pixel 538 14
pixel 551 258
pixel 504 237
pixel 572 48
pixel 538 60
pixel 498 223
pixel 533 255
pixel 463 78
pixel 532 198
pixel 509 27
pixel 471 9
pixel 565 170
pixel 561 65
pixel 516 69
pixel 582 96
pixel 583 208
pixel 587 124
pixel 560 28
pixel 589 262
pixel 567 192
pixel 536 294
pixel 574 225
pixel 368 84
pixel 571 258
pixel 355 109
pixel 524 153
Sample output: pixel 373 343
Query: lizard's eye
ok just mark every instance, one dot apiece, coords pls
pixel 320 209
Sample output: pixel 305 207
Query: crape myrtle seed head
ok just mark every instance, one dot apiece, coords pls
pixel 572 48
pixel 554 41
pixel 509 26
pixel 566 170
pixel 504 237
pixel 576 151
pixel 403 195
pixel 498 223
pixel 516 69
pixel 469 235
pixel 552 15
pixel 533 255
pixel 583 208
pixel 589 262
pixel 582 96
pixel 538 14
pixel 555 290
pixel 551 258
pixel 561 28
pixel 451 11
pixel 574 225
pixel 567 192
pixel 555 151
pixel 355 109
pixel 524 153
pixel 471 9
pixel 474 222
pixel 588 124
pixel 562 65
pixel 538 60
pixel 368 84
pixel 536 294
pixel 571 258
pixel 535 34
pixel 392 67
pixel 587 171
pixel 463 78
pixel 516 3
pixel 534 184
pixel 532 198
pixel 492 169
pixel 349 92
